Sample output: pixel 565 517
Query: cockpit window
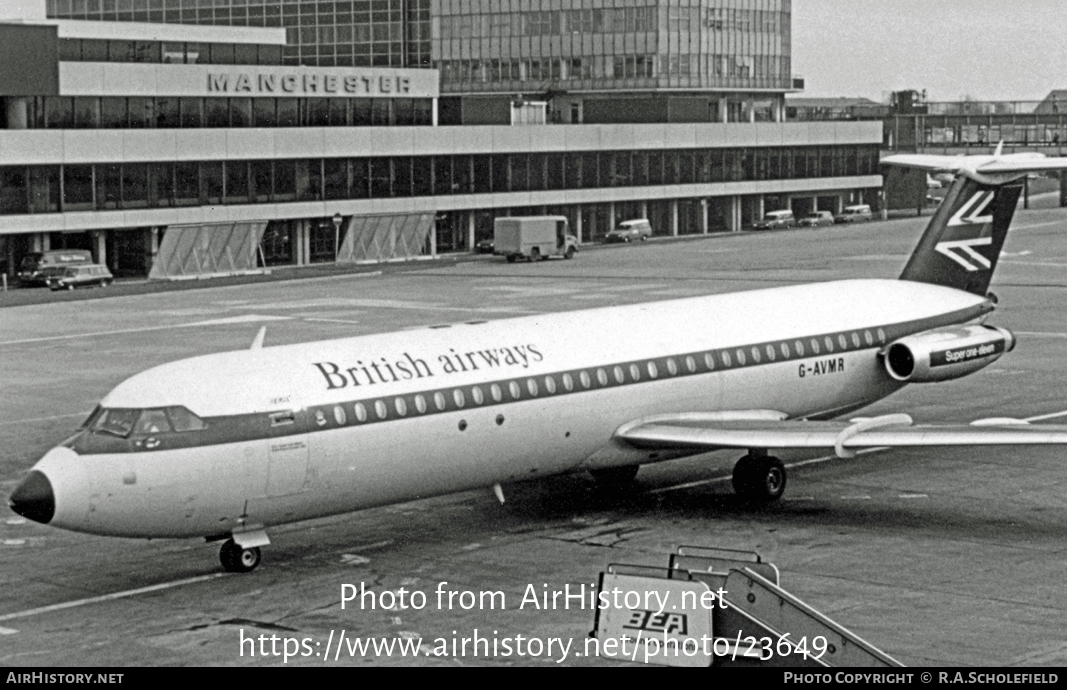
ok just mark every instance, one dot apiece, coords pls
pixel 92 417
pixel 117 422
pixel 122 422
pixel 184 420
pixel 152 422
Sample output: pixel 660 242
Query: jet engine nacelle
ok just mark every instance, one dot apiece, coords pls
pixel 946 353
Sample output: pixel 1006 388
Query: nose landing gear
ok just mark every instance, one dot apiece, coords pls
pixel 759 478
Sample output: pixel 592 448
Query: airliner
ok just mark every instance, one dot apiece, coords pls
pixel 226 446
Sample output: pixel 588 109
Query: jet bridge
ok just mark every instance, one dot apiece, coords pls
pixel 718 607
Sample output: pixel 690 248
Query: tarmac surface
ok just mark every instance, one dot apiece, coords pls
pixel 938 557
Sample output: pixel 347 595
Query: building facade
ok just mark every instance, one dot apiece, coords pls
pixel 320 132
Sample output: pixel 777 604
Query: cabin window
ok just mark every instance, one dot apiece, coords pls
pixel 550 385
pixel 586 380
pixel 755 355
pixel 652 371
pixel 361 412
pixel 515 390
pixel 380 409
pixel 829 342
pixel 420 404
pixel 770 353
pixel 814 346
pixel 709 361
pixel 635 372
pixel 690 364
pixel 842 341
pixel 602 377
pixel 672 368
pixel 531 386
pixel 439 400
pixel 867 337
pixel 881 336
pixel 477 396
pixel 494 390
pixel 457 396
pixel 619 376
pixel 740 357
pixel 339 415
pixel 855 339
pixel 726 362
pixel 401 406
pixel 568 382
pixel 785 350
pixel 800 348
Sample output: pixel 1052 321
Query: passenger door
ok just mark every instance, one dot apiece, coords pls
pixel 287 452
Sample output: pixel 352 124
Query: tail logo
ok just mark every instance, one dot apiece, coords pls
pixel 966 251
pixel 968 213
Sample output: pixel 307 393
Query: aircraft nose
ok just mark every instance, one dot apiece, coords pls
pixel 33 498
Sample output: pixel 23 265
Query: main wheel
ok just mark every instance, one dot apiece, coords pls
pixel 236 559
pixel 535 254
pixel 569 254
pixel 614 477
pixel 759 479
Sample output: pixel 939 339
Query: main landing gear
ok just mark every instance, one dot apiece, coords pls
pixel 237 559
pixel 759 478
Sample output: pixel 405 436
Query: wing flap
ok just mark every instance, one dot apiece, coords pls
pixel 845 437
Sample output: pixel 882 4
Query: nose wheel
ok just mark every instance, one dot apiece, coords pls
pixel 759 478
pixel 236 559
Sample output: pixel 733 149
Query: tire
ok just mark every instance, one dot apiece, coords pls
pixel 627 240
pixel 569 254
pixel 535 254
pixel 644 238
pixel 511 258
pixel 70 286
pixel 235 559
pixel 105 283
pixel 615 477
pixel 759 479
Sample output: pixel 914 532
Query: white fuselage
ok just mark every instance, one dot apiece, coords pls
pixel 315 429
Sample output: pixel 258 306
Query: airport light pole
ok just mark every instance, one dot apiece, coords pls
pixel 336 236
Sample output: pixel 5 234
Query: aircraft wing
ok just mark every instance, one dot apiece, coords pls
pixel 1011 163
pixel 713 431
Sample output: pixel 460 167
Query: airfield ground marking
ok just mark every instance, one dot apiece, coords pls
pixel 110 597
pixel 45 419
pixel 1037 334
pixel 1041 417
pixel 228 321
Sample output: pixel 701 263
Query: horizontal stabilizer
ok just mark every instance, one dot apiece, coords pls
pixel 1012 164
pixel 845 437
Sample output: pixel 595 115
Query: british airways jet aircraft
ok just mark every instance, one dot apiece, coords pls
pixel 226 446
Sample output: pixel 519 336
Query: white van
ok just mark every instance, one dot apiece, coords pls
pixel 533 238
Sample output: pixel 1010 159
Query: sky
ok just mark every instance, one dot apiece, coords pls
pixel 989 50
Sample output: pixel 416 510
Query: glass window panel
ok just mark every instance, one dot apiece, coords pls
pixel 261 178
pixel 212 177
pixel 360 171
pixel 264 111
pixel 14 196
pixel 134 185
pixel 160 184
pixel 108 186
pixel 236 181
pixel 77 187
pixel 168 112
pixel 186 183
pixel 335 178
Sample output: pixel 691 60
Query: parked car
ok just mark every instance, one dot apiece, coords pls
pixel 36 266
pixel 816 219
pixel 485 246
pixel 860 213
pixel 85 275
pixel 630 230
pixel 776 220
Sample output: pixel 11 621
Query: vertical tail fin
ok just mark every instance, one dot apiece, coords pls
pixel 962 243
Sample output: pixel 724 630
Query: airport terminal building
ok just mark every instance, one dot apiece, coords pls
pixel 177 138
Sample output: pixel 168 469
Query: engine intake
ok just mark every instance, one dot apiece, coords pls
pixel 946 353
